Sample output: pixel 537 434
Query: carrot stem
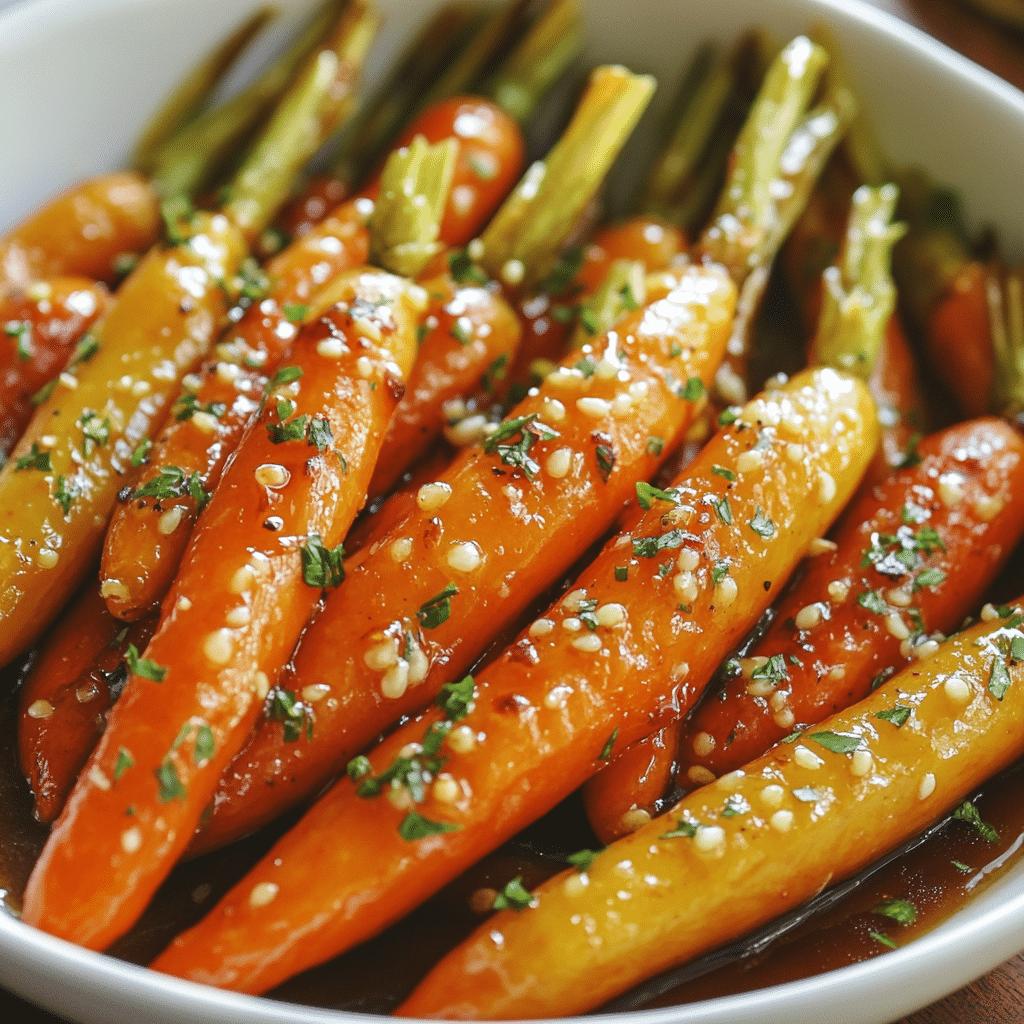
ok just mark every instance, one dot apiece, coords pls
pixel 181 107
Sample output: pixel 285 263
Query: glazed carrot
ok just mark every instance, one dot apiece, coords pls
pixel 267 547
pixel 82 232
pixel 638 638
pixel 81 440
pixel 61 719
pixel 858 300
pixel 40 327
pixel 487 536
pixel 760 841
pixel 149 533
pixel 912 560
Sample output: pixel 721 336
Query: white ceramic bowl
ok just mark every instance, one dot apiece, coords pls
pixel 78 80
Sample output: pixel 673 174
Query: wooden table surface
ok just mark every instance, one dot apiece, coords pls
pixel 997 998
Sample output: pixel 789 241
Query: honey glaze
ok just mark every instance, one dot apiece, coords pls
pixel 376 977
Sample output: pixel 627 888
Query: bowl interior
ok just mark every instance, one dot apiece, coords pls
pixel 78 81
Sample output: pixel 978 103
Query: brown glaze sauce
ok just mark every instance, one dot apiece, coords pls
pixel 375 977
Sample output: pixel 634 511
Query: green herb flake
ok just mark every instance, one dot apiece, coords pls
pixel 295 312
pixel 873 601
pixel 123 763
pixel 837 742
pixel 320 436
pixel 648 547
pixel 897 715
pixel 735 805
pixel 460 332
pixel 290 430
pixel 586 366
pixel 495 372
pixel 44 392
pixel 463 270
pixel 674 350
pixel 683 830
pixel 36 459
pixel 435 611
pixel 1017 648
pixel 723 509
pixel 774 670
pixel 655 446
pixel 929 578
pixel 141 451
pixel 999 678
pixel 762 525
pixel 605 456
pixel 883 940
pixel 606 750
pixel 560 277
pixel 725 474
pixel 296 716
pixel 582 859
pixel 517 453
pixel 964 869
pixel 64 493
pixel 358 768
pixel 169 785
pixel 807 795
pixel 901 911
pixel 720 570
pixel 143 666
pixel 515 896
pixel 171 482
pixel 322 566
pixel 911 457
pixel 969 813
pixel 205 744
pixel 285 375
pixel 729 416
pixel 414 826
pixel 621 573
pixel 22 331
pixel 589 320
pixel 456 699
pixel 95 432
pixel 693 391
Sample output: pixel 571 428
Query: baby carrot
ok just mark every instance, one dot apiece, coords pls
pixel 422 600
pixel 912 559
pixel 760 841
pixel 39 327
pixel 62 718
pixel 81 441
pixel 636 640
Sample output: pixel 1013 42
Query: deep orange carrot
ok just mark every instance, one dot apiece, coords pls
pixel 498 527
pixel 735 854
pixel 634 642
pixel 911 560
pixel 39 328
pixel 267 547
pixel 62 715
pixel 83 231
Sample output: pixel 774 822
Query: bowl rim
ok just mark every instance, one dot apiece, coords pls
pixel 982 940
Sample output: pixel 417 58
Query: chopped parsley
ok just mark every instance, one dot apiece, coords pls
pixel 725 474
pixel 762 525
pixel 605 456
pixel 621 573
pixel 969 813
pixel 495 372
pixel 188 405
pixel 22 331
pixel 289 430
pixel 647 494
pixel 36 459
pixel 774 670
pixel 517 453
pixel 142 449
pixel 123 763
pixel 296 716
pixel 204 745
pixel 460 332
pixel 285 375
pixel 606 750
pixel 901 911
pixel 655 446
pixel 693 390
pixel 582 859
pixel 322 566
pixel 456 699
pixel 929 578
pixel 95 432
pixel 171 482
pixel 897 715
pixel 735 804
pixel 720 570
pixel 648 547
pixel 586 366
pixel 723 509
pixel 65 493
pixel 463 270
pixel 435 611
pixel 837 742
pixel 911 457
pixel 320 436
pixel 415 826
pixel 883 940
pixel 295 312
pixel 683 830
pixel 729 416
pixel 873 601
pixel 515 896
pixel 169 785
pixel 143 666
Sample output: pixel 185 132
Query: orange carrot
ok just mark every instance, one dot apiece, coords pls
pixel 63 714
pixel 636 641
pixel 489 534
pixel 40 326
pixel 82 232
pixel 271 539
pixel 911 560
pixel 733 855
